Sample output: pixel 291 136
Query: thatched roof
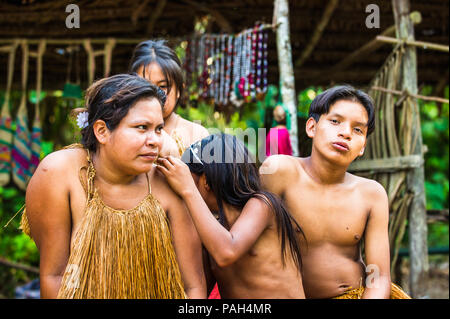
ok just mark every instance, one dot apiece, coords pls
pixel 344 33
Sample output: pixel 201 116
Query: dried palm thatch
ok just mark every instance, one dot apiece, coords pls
pixel 392 139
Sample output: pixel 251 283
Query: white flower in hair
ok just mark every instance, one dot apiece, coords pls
pixel 82 120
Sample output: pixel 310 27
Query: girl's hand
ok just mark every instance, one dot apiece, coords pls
pixel 177 174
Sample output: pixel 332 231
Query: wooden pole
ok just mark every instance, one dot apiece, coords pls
pixel 420 44
pixel 415 179
pixel 417 96
pixel 326 16
pixel 24 267
pixel 367 48
pixel 285 66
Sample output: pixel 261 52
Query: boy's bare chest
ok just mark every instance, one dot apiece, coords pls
pixel 334 216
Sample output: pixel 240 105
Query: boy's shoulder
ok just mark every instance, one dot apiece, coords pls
pixel 369 187
pixel 285 165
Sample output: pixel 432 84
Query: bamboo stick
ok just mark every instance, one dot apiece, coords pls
pixel 370 46
pixel 420 44
pixel 12 264
pixel 417 96
pixel 328 12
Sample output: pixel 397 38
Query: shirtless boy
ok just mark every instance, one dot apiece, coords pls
pixel 336 209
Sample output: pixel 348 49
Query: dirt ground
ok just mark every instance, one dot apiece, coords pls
pixel 438 283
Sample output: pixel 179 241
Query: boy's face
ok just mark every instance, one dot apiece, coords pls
pixel 340 135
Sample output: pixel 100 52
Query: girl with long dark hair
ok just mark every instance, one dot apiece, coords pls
pixel 254 244
pixel 159 64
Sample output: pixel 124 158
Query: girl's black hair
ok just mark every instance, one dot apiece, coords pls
pixel 151 51
pixel 322 103
pixel 233 177
pixel 111 98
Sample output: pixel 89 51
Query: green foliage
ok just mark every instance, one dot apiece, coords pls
pixel 435 134
pixel 305 98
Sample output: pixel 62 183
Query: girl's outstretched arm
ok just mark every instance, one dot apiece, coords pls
pixel 224 246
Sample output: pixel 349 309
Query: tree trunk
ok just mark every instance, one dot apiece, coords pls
pixel 415 180
pixel 286 68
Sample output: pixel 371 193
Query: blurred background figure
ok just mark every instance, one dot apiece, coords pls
pixel 278 133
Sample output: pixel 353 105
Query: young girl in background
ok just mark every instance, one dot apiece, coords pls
pixel 159 64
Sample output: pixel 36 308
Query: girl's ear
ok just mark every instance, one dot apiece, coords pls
pixel 206 184
pixel 202 183
pixel 101 131
pixel 310 127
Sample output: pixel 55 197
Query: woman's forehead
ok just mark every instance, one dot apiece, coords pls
pixel 148 108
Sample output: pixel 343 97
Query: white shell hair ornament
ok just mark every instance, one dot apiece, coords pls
pixel 82 120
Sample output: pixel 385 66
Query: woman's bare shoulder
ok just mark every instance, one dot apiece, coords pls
pixel 60 165
pixel 161 189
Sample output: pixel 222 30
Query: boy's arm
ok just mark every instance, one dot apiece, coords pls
pixel 378 280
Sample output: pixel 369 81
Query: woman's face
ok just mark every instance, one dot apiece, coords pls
pixel 134 144
pixel 154 74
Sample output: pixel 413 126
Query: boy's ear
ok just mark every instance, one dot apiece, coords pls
pixel 310 127
pixel 101 131
pixel 363 149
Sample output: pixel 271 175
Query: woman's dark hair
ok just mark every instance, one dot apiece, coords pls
pixel 233 177
pixel 109 99
pixel 281 122
pixel 322 103
pixel 151 51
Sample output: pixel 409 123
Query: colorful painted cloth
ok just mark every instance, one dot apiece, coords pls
pixel 21 151
pixel 6 122
pixel 6 137
pixel 35 142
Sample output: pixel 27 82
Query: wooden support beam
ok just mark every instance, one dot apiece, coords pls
pixel 317 34
pixel 155 15
pixel 405 93
pixel 387 164
pixel 417 219
pixel 137 12
pixel 369 47
pixel 16 265
pixel 218 17
pixel 420 44
pixel 285 67
pixel 437 215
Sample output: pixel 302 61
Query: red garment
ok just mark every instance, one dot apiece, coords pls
pixel 284 141
pixel 214 293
